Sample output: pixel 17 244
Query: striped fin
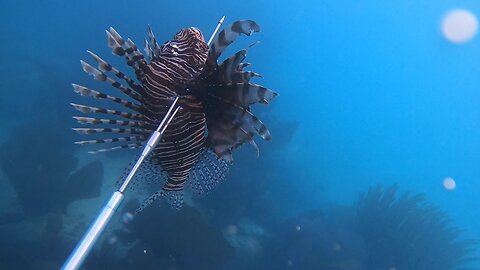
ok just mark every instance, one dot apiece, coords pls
pixel 250 140
pixel 90 109
pixel 125 146
pixel 243 94
pixel 235 60
pixel 111 130
pixel 113 140
pixel 244 76
pixel 153 41
pixel 127 48
pixel 100 76
pixel 228 36
pixel 148 50
pixel 84 91
pixel 114 45
pixel 106 67
pixel 136 55
pixel 97 121
pixel 248 121
pixel 229 66
pixel 226 137
pixel 241 66
pixel 231 70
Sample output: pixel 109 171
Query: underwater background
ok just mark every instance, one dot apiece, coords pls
pixel 374 162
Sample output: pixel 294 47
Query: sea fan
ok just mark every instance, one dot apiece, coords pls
pixel 407 233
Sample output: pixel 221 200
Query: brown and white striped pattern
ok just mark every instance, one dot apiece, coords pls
pixel 211 96
pixel 168 75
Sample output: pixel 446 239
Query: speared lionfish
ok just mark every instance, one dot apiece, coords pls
pixel 215 100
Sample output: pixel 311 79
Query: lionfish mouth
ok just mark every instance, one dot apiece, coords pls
pixel 197 146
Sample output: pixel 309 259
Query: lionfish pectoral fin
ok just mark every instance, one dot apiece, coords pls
pixel 230 68
pixel 252 142
pixel 243 94
pixel 228 36
pixel 247 121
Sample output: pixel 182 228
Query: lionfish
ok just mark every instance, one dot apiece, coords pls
pixel 215 99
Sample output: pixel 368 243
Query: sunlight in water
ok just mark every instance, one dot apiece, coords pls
pixel 459 26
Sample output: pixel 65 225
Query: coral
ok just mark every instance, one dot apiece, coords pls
pixel 314 241
pixel 406 232
pixel 165 238
pixel 85 183
pixel 38 165
pixel 381 231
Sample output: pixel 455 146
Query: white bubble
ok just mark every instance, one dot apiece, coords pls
pixel 232 229
pixel 127 217
pixel 459 25
pixel 449 183
pixel 298 228
pixel 337 246
pixel 112 240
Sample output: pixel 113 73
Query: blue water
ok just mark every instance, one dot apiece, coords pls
pixel 370 93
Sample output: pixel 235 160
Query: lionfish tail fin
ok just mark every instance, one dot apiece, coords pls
pixel 174 199
pixel 241 94
pixel 208 172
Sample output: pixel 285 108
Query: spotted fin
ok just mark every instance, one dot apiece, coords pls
pixel 208 172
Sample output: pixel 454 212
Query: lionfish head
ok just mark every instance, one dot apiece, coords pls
pixel 191 34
